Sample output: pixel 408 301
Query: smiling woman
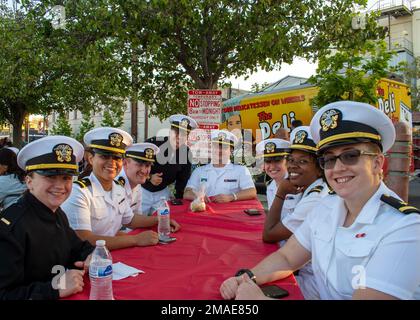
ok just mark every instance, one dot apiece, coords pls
pixel 363 241
pixel 99 206
pixel 35 236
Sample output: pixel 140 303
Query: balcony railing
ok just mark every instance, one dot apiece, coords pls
pixel 395 6
pixel 402 44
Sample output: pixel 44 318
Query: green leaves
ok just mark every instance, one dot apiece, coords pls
pixel 353 69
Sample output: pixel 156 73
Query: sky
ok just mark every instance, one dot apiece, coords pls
pixel 300 67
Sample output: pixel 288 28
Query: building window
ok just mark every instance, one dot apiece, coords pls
pixel 75 115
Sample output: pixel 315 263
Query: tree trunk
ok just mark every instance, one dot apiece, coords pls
pixel 17 133
pixel 18 116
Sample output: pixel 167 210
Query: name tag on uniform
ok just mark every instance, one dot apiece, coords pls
pixel 203 180
pixel 231 180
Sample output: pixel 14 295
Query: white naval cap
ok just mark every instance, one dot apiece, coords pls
pixel 183 122
pixel 223 137
pixel 301 139
pixel 348 122
pixel 14 149
pixel 108 140
pixel 142 152
pixel 273 148
pixel 51 155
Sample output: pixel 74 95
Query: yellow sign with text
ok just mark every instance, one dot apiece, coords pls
pixel 265 113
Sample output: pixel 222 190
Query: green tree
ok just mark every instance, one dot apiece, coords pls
pixel 44 69
pixel 62 126
pixel 168 47
pixel 256 87
pixel 201 43
pixel 113 116
pixel 352 70
pixel 86 125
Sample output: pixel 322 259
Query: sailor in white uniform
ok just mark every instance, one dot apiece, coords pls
pixel 223 181
pixel 364 241
pixel 98 206
pixel 273 152
pixel 138 161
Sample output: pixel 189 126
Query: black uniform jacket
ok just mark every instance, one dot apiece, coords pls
pixel 33 239
pixel 176 167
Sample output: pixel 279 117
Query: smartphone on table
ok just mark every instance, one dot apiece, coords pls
pixel 253 212
pixel 273 291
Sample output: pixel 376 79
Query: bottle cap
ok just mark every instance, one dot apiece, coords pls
pixel 100 243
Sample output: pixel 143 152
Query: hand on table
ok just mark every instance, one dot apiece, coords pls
pixel 229 288
pixel 222 198
pixel 249 290
pixel 174 225
pixel 84 264
pixel 73 282
pixel 146 238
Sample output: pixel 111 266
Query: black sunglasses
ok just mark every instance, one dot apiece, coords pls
pixel 349 158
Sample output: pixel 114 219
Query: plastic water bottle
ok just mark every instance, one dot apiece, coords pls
pixel 100 273
pixel 164 227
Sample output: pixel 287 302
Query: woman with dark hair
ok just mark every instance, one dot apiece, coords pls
pixel 296 196
pixel 12 183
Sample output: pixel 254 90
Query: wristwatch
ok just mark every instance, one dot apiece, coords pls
pixel 235 197
pixel 248 272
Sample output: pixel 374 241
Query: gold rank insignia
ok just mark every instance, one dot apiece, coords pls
pixel 270 147
pixel 63 152
pixel 300 136
pixel 115 139
pixel 221 136
pixel 149 153
pixel 329 119
pixel 184 123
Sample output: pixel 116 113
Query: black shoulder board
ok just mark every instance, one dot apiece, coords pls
pixel 316 189
pixel 401 206
pixel 83 183
pixel 331 192
pixel 120 181
pixel 12 214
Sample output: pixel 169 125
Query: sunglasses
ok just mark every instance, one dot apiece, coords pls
pixel 349 158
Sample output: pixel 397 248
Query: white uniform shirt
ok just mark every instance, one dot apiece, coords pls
pixel 133 195
pixel 271 192
pixel 294 211
pixel 379 250
pixel 91 208
pixel 297 206
pixel 229 179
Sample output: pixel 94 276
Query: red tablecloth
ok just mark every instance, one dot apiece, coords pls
pixel 211 246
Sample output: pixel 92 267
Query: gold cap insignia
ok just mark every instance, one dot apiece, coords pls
pixel 221 136
pixel 63 152
pixel 270 147
pixel 149 153
pixel 300 136
pixel 184 123
pixel 329 119
pixel 115 139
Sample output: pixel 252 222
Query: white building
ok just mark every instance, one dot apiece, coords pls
pixel 402 19
pixel 152 124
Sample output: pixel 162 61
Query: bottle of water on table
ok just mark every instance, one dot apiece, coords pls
pixel 100 273
pixel 164 227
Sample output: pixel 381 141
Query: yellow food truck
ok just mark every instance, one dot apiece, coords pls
pixel 267 111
